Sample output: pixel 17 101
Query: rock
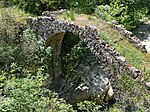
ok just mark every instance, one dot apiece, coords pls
pixel 114 22
pixel 97 91
pixel 121 59
pixel 93 83
pixel 110 93
pixel 147 84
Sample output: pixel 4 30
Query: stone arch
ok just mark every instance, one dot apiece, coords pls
pixel 103 55
pixel 49 25
pixel 56 42
pixel 78 91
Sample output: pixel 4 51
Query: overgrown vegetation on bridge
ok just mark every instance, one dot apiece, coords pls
pixel 24 59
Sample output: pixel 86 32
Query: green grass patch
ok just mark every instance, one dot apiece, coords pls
pixel 103 36
pixel 69 15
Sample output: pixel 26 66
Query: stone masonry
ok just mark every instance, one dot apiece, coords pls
pixel 110 61
pixel 129 35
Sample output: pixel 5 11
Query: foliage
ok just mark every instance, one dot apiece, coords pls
pixel 37 6
pixel 19 45
pixel 130 91
pixel 135 6
pixel 21 87
pixel 23 70
pixel 125 12
pixel 77 52
pixel 25 94
pixel 89 106
pixel 10 38
pixel 136 91
pixel 69 14
pixel 103 36
pixel 70 59
pixel 86 6
pixel 115 12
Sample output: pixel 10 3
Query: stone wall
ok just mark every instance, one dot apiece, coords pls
pixel 110 62
pixel 129 35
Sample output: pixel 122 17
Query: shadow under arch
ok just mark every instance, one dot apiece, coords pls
pixel 61 44
pixel 68 42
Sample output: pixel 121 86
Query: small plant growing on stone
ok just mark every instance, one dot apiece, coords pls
pixel 103 36
pixel 69 15
pixel 90 17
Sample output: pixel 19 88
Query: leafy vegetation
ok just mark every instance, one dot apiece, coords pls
pixel 23 70
pixel 22 91
pixel 37 6
pixel 24 59
pixel 88 106
pixel 126 12
pixel 70 14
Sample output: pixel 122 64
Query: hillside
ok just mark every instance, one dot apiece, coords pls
pixel 26 64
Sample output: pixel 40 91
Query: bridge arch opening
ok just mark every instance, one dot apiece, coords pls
pixel 61 44
pixel 68 43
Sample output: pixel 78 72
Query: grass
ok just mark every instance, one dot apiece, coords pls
pixel 69 15
pixel 103 36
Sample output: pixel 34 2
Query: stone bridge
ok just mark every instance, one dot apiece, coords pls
pixel 98 77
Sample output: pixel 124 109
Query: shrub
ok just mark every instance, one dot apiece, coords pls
pixel 89 106
pixel 70 15
pixel 77 52
pixel 26 94
pixel 125 12
pixel 21 87
pixel 10 39
pixel 86 6
pixel 37 6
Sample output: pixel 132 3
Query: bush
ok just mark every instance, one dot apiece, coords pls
pixel 37 6
pixel 23 70
pixel 69 15
pixel 24 94
pixel 18 43
pixel 86 6
pixel 10 40
pixel 89 106
pixel 125 12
